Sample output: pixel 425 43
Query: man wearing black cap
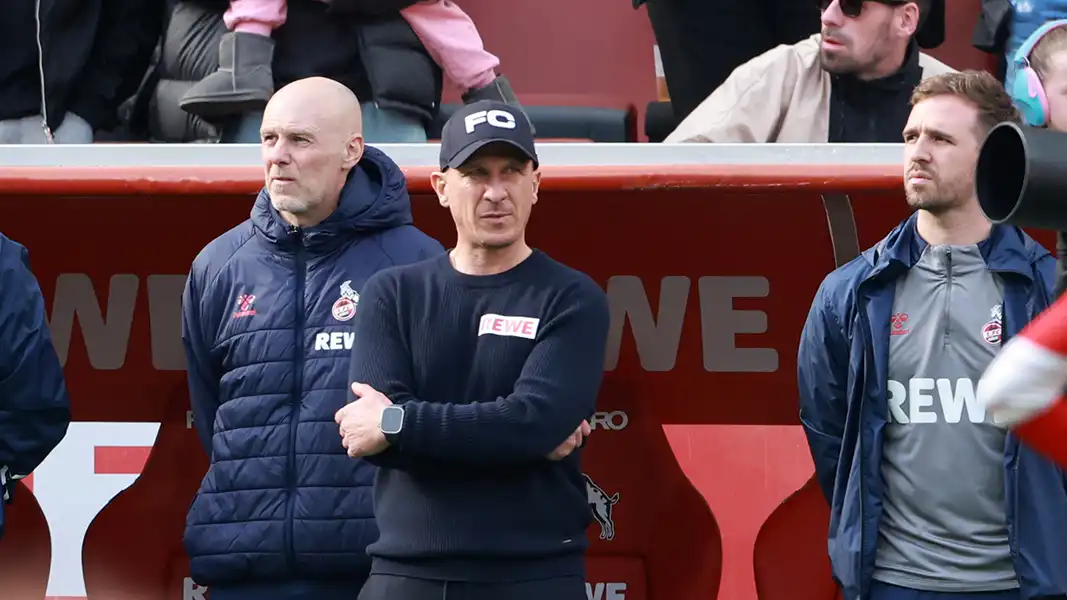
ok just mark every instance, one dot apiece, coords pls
pixel 473 379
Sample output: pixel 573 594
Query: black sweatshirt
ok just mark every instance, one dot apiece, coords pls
pixel 494 372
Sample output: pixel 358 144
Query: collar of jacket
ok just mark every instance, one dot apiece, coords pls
pixel 904 79
pixel 1007 250
pixel 373 199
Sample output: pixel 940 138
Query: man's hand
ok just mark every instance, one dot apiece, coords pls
pixel 361 422
pixel 574 441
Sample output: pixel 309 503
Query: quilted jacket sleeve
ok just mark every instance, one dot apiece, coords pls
pixel 34 406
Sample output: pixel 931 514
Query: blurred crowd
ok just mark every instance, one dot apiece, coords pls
pixel 180 71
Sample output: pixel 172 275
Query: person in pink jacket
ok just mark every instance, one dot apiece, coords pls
pixel 243 85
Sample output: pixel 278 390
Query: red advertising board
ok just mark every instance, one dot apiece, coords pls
pixel 710 270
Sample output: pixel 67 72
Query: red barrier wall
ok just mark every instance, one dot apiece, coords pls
pixel 710 271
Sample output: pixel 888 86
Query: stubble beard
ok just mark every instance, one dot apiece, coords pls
pixel 290 204
pixel 846 63
pixel 937 200
pixel 837 65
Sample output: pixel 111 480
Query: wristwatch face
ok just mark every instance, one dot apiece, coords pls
pixel 392 419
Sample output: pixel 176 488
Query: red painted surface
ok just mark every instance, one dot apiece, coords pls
pixel 120 460
pixel 707 458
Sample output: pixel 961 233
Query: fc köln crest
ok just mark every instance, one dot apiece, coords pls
pixel 993 330
pixel 345 306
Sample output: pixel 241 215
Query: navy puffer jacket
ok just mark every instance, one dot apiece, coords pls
pixel 267 330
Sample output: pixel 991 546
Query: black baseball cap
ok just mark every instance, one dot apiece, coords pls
pixel 481 123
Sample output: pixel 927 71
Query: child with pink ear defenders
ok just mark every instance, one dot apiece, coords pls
pixel 1039 91
pixel 1039 86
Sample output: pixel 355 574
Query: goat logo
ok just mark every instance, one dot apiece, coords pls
pixel 601 504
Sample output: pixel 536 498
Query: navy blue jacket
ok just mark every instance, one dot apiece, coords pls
pixel 843 373
pixel 267 318
pixel 34 407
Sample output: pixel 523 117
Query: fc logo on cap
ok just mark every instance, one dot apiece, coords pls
pixel 495 117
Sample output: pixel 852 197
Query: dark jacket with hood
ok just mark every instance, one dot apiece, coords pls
pixel 843 365
pixel 95 55
pixel 267 317
pixel 365 44
pixel 34 406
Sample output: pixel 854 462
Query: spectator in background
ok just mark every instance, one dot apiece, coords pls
pixel 188 51
pixel 702 41
pixel 452 38
pixel 95 53
pixel 244 81
pixel 378 57
pixel 34 407
pixel 1038 64
pixel 849 83
pixel 283 513
pixel 1024 18
pixel 929 497
pixel 1038 93
pixel 991 31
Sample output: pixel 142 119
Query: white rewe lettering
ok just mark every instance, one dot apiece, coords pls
pixel 657 338
pixel 915 401
pixel 605 591
pixel 334 340
pixel 106 333
pixel 495 117
pixel 493 324
pixel 615 420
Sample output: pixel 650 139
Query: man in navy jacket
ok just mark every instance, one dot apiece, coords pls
pixel 930 497
pixel 283 513
pixel 34 407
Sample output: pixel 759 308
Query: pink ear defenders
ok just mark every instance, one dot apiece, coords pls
pixel 1026 90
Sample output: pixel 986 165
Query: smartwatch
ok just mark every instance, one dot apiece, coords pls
pixel 392 422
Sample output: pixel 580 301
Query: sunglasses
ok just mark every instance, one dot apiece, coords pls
pixel 853 8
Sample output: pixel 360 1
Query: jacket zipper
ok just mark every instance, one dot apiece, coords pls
pixel 868 336
pixel 42 44
pixel 1012 496
pixel 1013 527
pixel 948 297
pixel 298 386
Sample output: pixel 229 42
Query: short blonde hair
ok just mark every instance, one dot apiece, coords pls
pixel 1051 44
pixel 977 87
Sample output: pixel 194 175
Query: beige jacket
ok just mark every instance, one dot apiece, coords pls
pixel 782 95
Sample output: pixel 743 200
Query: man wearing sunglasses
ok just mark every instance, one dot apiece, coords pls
pixel 849 83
